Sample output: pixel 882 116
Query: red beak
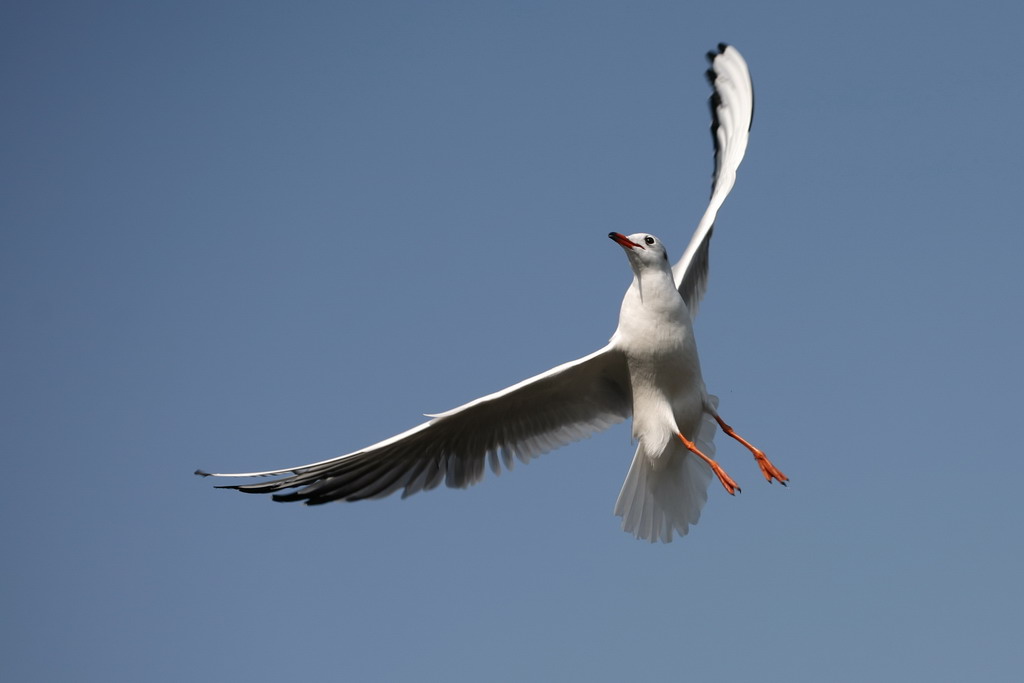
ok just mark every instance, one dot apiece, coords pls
pixel 624 241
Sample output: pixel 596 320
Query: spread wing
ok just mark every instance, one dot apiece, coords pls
pixel 564 404
pixel 732 111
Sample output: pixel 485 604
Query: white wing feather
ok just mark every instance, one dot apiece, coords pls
pixel 564 404
pixel 732 112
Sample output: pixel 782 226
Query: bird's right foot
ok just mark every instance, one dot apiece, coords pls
pixel 728 482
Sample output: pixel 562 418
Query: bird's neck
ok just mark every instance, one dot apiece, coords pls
pixel 653 314
pixel 654 287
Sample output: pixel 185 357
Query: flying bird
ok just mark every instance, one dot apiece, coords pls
pixel 649 370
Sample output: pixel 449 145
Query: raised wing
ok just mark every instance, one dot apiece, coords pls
pixel 732 111
pixel 564 404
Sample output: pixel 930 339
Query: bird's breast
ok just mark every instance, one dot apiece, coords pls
pixel 668 390
pixel 657 339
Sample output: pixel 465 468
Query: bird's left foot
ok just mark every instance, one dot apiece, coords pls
pixel 769 470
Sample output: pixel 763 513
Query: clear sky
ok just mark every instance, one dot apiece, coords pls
pixel 249 235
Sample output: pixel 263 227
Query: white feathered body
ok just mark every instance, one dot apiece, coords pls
pixel 666 486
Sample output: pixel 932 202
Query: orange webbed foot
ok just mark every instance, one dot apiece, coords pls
pixel 731 487
pixel 770 471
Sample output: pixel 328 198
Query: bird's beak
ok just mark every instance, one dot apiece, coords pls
pixel 624 241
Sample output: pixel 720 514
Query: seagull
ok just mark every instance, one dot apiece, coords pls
pixel 649 370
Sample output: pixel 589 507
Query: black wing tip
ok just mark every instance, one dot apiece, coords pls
pixel 722 47
pixel 711 74
pixel 716 99
pixel 202 473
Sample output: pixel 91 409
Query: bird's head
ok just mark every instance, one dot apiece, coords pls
pixel 644 251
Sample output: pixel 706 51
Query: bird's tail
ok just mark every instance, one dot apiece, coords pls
pixel 666 496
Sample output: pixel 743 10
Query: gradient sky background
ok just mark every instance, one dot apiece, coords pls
pixel 249 235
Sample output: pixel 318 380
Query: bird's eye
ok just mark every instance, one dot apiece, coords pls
pixel 649 240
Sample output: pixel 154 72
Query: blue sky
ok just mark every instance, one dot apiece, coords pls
pixel 249 235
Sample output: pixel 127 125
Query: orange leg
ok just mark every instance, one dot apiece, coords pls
pixel 731 486
pixel 769 470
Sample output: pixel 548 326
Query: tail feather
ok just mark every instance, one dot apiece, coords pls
pixel 659 499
